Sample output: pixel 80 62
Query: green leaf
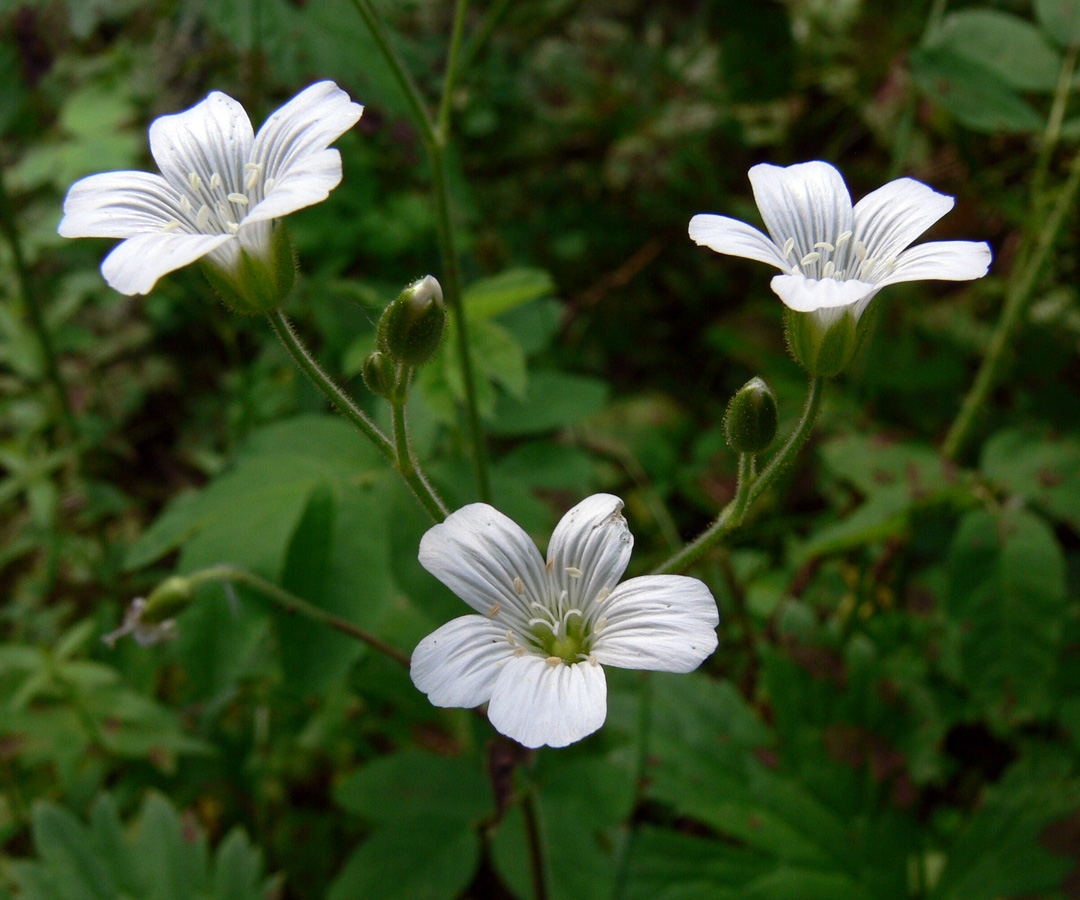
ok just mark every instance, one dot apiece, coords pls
pixel 237 869
pixel 1060 19
pixel 64 846
pixel 173 863
pixel 1012 48
pixel 874 462
pixel 972 92
pixel 553 400
pixel 1007 595
pixel 508 290
pixel 1043 469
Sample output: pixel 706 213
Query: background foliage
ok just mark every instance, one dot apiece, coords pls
pixel 894 710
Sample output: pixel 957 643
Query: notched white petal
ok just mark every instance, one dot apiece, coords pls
pixel 735 238
pixel 590 548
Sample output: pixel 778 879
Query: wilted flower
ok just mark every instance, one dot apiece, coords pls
pixel 835 257
pixel 535 653
pixel 221 188
pixel 144 633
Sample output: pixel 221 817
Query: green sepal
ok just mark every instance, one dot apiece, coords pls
pixel 751 419
pixel 411 327
pixel 167 600
pixel 823 347
pixel 257 285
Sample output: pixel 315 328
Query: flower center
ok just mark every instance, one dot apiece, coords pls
pixel 210 207
pixel 842 260
pixel 560 632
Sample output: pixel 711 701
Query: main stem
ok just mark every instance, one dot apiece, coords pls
pixel 1018 295
pixel 749 489
pixel 290 603
pixel 410 471
pixel 283 328
pixel 436 139
pixel 33 313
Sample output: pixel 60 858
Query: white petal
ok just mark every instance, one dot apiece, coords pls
pixel 136 264
pixel 593 541
pixel 941 261
pixel 537 704
pixel 889 219
pixel 477 552
pixel 808 294
pixel 213 137
pixel 308 181
pixel 735 238
pixel 808 201
pixel 119 205
pixel 457 664
pixel 662 622
pixel 305 126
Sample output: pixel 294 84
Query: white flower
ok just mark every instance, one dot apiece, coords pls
pixel 221 186
pixel 535 652
pixel 835 257
pixel 145 634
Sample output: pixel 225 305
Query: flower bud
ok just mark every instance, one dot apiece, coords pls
pixel 378 372
pixel 751 418
pixel 412 325
pixel 823 341
pixel 168 599
pixel 256 284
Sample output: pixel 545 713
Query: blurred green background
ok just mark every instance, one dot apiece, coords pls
pixel 894 709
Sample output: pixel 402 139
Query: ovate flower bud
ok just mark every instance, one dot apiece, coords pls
pixel 751 419
pixel 378 373
pixel 411 327
pixel 823 341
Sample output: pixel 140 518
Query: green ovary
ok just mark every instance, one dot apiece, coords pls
pixel 570 644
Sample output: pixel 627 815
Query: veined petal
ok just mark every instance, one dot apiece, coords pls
pixel 457 664
pixel 941 261
pixel 309 181
pixel 477 552
pixel 735 238
pixel 213 137
pixel 590 548
pixel 889 219
pixel 661 622
pixel 135 265
pixel 807 294
pixel 538 704
pixel 119 205
pixel 306 125
pixel 808 202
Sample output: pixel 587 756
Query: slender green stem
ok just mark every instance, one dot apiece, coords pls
pixel 343 402
pixel 34 314
pixel 290 603
pixel 1018 294
pixel 747 491
pixel 410 469
pixel 436 142
pixel 535 844
pixel 483 32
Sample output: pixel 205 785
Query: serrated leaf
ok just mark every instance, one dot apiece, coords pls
pixel 972 92
pixel 1009 46
pixel 64 846
pixel 1060 19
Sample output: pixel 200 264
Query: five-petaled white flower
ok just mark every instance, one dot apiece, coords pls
pixel 220 189
pixel 535 653
pixel 835 257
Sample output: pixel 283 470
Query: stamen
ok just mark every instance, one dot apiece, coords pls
pixel 202 220
pixel 237 198
pixel 592 659
pixel 824 245
pixel 510 637
pixel 812 257
pixel 251 179
pixel 554 628
pixel 571 612
pixel 867 264
pixel 789 245
pixel 232 228
pixel 842 238
pixel 550 564
pixel 828 269
pixel 195 181
pixel 574 572
pixel 215 181
pixel 554 661
pixel 603 594
pixel 600 625
pixel 185 204
pixel 521 651
pixel 269 186
pixel 890 264
pixel 494 611
pixel 519 586
pixel 860 250
pixel 170 226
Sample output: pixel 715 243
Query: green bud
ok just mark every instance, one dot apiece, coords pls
pixel 823 342
pixel 412 326
pixel 256 284
pixel 378 373
pixel 751 418
pixel 168 599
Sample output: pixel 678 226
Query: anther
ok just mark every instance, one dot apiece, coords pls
pixel 521 651
pixel 215 181
pixel 601 623
pixel 232 228
pixel 554 661
pixel 603 594
pixel 195 181
pixel 867 264
pixel 202 220
pixel 185 205
pixel 550 564
pixel 494 611
pixel 843 238
pixel 789 245
pixel 237 198
pixel 828 269
pixel 592 659
pixel 519 585
pixel 812 257
pixel 824 245
pixel 510 637
pixel 172 225
pixel 860 250
pixel 574 572
pixel 269 186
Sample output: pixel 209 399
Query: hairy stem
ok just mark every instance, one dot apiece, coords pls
pixel 410 469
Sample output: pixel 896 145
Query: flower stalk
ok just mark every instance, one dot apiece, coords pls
pixel 406 464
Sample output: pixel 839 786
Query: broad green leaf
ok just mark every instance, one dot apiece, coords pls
pixel 1007 595
pixel 110 844
pixel 238 869
pixel 874 462
pixel 1041 468
pixel 1009 46
pixel 65 849
pixel 972 92
pixel 508 290
pixel 1060 19
pixel 553 400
